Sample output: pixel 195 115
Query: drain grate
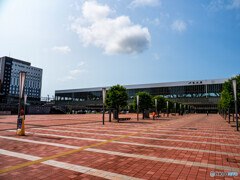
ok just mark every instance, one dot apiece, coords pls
pixel 192 128
pixel 233 160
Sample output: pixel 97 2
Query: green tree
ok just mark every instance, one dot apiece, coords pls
pixel 116 97
pixel 145 101
pixel 227 97
pixel 161 103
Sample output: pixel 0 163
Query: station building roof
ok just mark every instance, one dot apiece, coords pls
pixel 152 85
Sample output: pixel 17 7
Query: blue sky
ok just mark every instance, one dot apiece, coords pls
pixel 82 44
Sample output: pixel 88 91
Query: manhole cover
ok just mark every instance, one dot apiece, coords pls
pixel 233 160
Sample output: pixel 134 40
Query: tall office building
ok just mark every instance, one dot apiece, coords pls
pixel 9 78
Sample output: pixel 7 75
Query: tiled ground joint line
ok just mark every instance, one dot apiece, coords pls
pixel 140 128
pixel 151 130
pixel 76 150
pixel 198 164
pixel 68 166
pixel 157 134
pixel 159 139
pixel 134 144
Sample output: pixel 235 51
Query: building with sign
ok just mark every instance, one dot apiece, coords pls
pixel 203 94
pixel 9 77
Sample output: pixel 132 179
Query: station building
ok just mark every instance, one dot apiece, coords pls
pixel 202 94
pixel 9 80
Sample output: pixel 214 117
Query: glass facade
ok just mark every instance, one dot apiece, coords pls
pixel 199 94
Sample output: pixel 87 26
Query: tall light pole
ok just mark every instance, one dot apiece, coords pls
pixel 103 96
pixel 137 107
pixel 234 82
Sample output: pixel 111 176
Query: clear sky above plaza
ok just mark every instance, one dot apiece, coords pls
pixel 102 43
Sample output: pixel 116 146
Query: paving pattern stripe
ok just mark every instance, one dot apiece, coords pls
pixel 169 135
pixel 186 141
pixel 167 128
pixel 154 130
pixel 124 132
pixel 77 150
pixel 198 164
pixel 38 142
pixel 68 166
pixel 136 144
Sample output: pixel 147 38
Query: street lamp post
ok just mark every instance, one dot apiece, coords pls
pixel 234 82
pixel 103 96
pixel 137 107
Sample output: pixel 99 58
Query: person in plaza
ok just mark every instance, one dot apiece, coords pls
pixel 153 114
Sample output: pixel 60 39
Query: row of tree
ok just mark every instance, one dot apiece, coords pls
pixel 117 97
pixel 226 103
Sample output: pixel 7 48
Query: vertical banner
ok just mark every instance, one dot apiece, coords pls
pixel 137 106
pixel 103 94
pixel 167 104
pixel 25 98
pixel 156 107
pixel 22 77
pixel 234 82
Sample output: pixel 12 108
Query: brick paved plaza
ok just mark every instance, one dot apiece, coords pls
pixel 80 147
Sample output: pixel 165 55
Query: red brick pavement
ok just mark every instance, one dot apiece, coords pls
pixel 208 129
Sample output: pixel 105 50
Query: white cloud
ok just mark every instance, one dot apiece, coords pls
pixel 156 56
pixel 72 74
pixel 115 35
pixel 151 21
pixel 216 5
pixel 179 26
pixel 142 3
pixel 63 49
pixel 81 64
pixel 234 4
pixel 67 78
pixel 76 71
